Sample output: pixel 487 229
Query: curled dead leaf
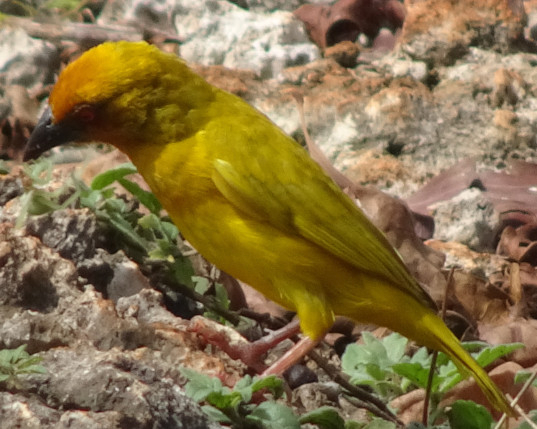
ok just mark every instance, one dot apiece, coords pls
pixel 347 19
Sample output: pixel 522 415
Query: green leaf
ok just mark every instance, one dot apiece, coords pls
pixel 244 388
pixel 324 417
pixel 215 414
pixel 449 374
pixel 490 353
pixel 145 197
pixel 19 353
pixel 40 172
pixel 200 386
pixel 128 232
pixel 469 415
pixel 415 372
pixel 274 415
pixel 376 351
pixel 274 384
pixel 29 361
pixel 354 357
pixel 41 203
pixel 381 353
pixel 108 177
pixel 375 372
pixel 380 424
pixel 522 376
pixel 33 369
pixel 220 294
pixel 170 230
pixel 371 363
pixel 16 362
pixel 182 271
pixel 422 357
pixel 223 400
pixel 201 284
pixel 118 175
pixel 34 202
pixel 115 206
pixel 149 221
pixel 395 346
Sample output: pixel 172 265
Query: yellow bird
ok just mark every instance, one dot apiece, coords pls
pixel 244 194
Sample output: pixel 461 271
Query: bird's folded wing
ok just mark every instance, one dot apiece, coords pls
pixel 300 199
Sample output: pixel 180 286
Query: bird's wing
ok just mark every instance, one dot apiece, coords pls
pixel 297 197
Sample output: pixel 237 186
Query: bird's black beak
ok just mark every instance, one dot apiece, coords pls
pixel 47 135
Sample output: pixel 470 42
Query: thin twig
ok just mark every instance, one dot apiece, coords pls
pixel 316 153
pixel 432 369
pixel 89 34
pixel 427 399
pixel 514 403
pixel 207 301
pixel 363 398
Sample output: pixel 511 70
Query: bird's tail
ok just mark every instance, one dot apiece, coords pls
pixel 450 345
pixel 379 302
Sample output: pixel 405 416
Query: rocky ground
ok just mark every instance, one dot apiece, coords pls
pixel 435 103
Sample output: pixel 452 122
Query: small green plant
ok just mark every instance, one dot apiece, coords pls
pixel 233 406
pixel 220 298
pixel 15 363
pixel 384 366
pixel 36 199
pixel 150 235
pixel 144 235
pixel 237 408
pixel 372 364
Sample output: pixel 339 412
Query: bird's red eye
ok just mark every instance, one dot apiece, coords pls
pixel 85 113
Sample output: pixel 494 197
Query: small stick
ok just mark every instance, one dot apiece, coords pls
pixel 425 417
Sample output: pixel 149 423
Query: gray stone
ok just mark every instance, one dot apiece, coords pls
pixel 469 218
pixel 218 32
pixel 26 61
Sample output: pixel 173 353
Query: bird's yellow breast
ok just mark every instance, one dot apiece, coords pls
pixel 282 266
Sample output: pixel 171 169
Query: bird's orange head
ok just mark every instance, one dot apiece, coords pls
pixel 103 73
pixel 120 93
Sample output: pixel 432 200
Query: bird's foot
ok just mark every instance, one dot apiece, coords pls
pixel 237 347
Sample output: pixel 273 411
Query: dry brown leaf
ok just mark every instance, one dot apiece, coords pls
pixel 512 191
pixel 409 406
pixel 514 330
pixel 444 186
pixel 392 216
pixel 347 19
pixel 479 301
pixel 519 243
